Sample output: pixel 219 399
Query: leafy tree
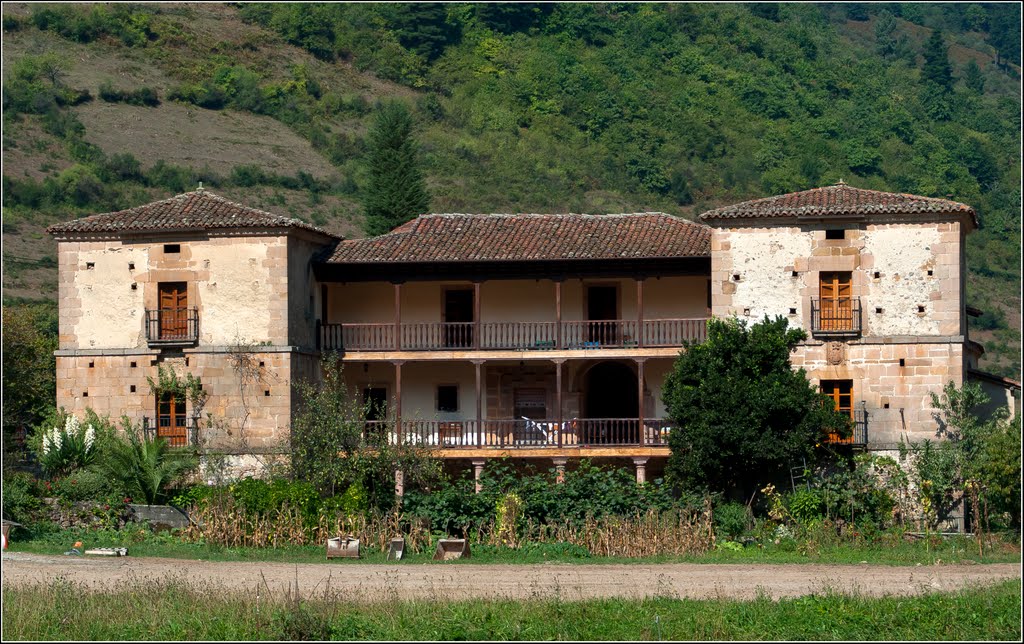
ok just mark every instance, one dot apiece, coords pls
pixel 975 451
pixel 29 368
pixel 937 69
pixel 1004 31
pixel 329 444
pixel 857 11
pixel 744 415
pixel 508 17
pixel 890 43
pixel 975 18
pixel 973 78
pixel 424 28
pixel 396 192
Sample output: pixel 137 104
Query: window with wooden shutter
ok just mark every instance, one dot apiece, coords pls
pixel 836 292
pixel 171 421
pixel 173 311
pixel 841 393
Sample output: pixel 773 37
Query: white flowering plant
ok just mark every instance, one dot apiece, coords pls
pixel 64 444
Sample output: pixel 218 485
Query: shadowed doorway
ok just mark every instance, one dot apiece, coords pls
pixel 611 406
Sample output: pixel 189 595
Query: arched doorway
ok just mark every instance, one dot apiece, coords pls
pixel 611 405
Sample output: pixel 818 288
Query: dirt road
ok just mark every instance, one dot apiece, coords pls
pixel 465 580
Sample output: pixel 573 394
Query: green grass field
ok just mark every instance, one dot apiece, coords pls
pixel 167 610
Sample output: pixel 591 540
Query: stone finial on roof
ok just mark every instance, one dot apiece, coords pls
pixel 200 188
pixel 838 183
pixel 839 200
pixel 196 210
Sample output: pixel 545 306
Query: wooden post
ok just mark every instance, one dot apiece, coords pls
pixel 479 406
pixel 558 399
pixel 558 313
pixel 398 401
pixel 398 316
pixel 639 311
pixel 640 400
pixel 476 315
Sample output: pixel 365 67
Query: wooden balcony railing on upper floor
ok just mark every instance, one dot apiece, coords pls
pixel 443 336
pixel 521 433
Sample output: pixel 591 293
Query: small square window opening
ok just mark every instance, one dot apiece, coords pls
pixel 172 248
pixel 835 233
pixel 447 398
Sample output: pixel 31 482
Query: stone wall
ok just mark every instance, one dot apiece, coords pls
pixel 908 278
pixel 895 268
pixel 896 397
pixel 250 393
pixel 238 284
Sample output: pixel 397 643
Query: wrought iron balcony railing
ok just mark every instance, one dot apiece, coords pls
pixel 179 431
pixel 835 316
pixel 172 326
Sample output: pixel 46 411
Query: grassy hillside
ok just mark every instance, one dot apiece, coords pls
pixel 549 108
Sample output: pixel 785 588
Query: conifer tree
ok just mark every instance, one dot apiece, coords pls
pixel 973 78
pixel 396 192
pixel 936 68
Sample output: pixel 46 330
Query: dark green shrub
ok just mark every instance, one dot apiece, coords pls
pixel 86 485
pixel 804 505
pixel 143 96
pixel 731 519
pixel 21 496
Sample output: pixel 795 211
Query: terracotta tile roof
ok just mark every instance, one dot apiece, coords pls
pixel 197 210
pixel 475 238
pixel 837 201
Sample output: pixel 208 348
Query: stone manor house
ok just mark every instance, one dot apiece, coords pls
pixel 540 337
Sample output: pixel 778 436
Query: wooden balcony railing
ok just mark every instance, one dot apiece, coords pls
pixel 172 326
pixel 521 433
pixel 440 336
pixel 835 316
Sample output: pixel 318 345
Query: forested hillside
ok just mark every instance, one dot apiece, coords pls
pixel 518 108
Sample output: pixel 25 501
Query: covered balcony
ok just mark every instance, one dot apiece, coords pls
pixel 564 335
pixel 523 433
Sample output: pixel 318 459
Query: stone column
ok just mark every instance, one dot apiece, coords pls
pixel 399 483
pixel 478 470
pixel 641 469
pixel 560 469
